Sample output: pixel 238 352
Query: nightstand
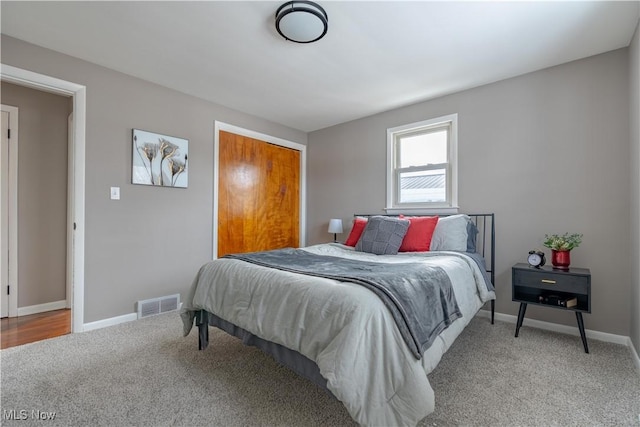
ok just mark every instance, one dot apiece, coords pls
pixel 549 287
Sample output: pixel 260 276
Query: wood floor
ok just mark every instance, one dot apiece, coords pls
pixel 35 327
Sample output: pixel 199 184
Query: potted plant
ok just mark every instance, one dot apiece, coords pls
pixel 561 246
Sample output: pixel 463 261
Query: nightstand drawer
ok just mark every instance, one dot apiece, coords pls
pixel 547 281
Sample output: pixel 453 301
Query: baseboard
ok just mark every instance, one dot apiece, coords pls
pixel 98 324
pixel 634 356
pixel 112 321
pixel 569 330
pixel 41 308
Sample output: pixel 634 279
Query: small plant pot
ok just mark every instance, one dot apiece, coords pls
pixel 560 259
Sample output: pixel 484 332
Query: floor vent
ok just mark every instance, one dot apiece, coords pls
pixel 153 306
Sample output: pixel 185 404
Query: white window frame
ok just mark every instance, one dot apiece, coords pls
pixel 393 184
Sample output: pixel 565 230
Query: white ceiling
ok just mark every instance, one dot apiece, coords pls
pixel 376 56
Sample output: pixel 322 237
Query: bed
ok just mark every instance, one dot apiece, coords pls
pixel 369 346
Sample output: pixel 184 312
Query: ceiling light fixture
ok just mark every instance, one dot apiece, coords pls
pixel 301 21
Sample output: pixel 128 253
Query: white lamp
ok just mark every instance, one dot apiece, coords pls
pixel 335 227
pixel 301 21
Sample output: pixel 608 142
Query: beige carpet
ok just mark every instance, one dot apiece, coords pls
pixel 145 373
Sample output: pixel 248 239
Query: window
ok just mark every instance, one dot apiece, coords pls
pixel 422 166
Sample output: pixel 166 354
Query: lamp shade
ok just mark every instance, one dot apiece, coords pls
pixel 335 226
pixel 301 21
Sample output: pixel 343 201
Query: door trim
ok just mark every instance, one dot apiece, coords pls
pixel 12 187
pixel 221 126
pixel 70 171
pixel 50 84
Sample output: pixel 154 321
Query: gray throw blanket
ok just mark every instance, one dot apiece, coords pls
pixel 420 297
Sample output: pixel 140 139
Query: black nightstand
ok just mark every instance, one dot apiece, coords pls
pixel 550 287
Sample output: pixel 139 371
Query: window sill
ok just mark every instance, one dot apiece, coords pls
pixel 423 211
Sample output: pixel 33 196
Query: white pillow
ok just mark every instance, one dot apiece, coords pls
pixel 450 233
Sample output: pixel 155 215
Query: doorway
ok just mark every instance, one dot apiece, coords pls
pixel 39 230
pixel 76 171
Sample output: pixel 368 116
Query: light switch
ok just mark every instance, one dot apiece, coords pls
pixel 115 193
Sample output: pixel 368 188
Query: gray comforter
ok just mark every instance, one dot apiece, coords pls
pixel 345 329
pixel 420 297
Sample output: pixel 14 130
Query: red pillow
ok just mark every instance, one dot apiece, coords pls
pixel 419 234
pixel 356 231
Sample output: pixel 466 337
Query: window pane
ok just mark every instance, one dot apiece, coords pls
pixel 423 149
pixel 423 186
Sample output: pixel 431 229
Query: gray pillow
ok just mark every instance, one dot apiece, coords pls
pixel 472 232
pixel 451 233
pixel 383 235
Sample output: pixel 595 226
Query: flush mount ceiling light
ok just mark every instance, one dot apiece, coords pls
pixel 301 21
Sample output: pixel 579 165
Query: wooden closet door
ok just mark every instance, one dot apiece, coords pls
pixel 258 195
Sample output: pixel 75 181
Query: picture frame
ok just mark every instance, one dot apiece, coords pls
pixel 159 160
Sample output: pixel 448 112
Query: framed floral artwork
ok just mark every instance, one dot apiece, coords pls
pixel 159 160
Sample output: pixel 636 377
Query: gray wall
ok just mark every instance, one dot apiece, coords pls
pixel 547 152
pixel 634 114
pixel 42 193
pixel 152 241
